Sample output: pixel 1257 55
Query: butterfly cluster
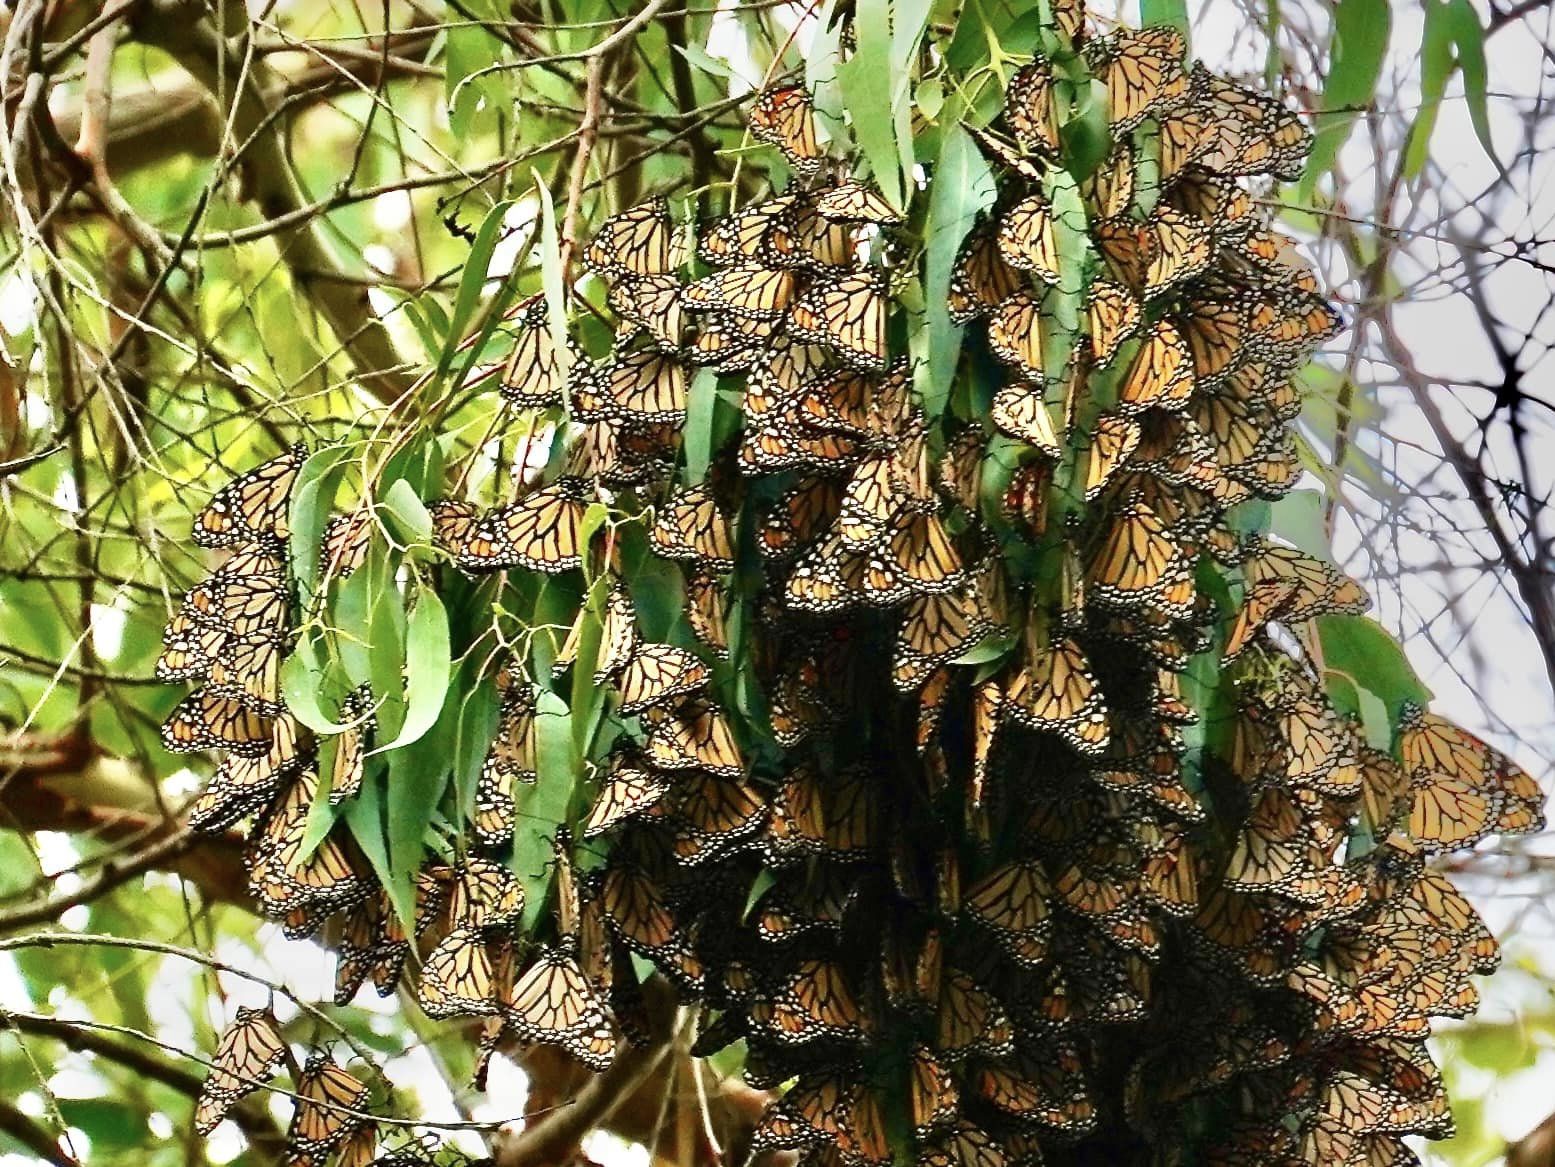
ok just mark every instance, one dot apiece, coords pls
pixel 982 779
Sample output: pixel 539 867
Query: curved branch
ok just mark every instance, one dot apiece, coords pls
pixel 175 27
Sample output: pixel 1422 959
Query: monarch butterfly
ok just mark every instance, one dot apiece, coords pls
pixel 372 943
pixel 656 674
pixel 1220 204
pixel 1161 373
pixel 282 878
pixel 837 817
pixel 870 501
pixel 1291 324
pixel 742 235
pixel 816 1107
pixel 1012 902
pixel 1113 314
pixel 695 735
pixel 654 304
pixel 326 1097
pixel 1252 134
pixel 1122 243
pixel 1054 689
pixel 728 344
pixel 799 516
pixel 1319 587
pixel 1135 559
pixel 1144 74
pixel 350 746
pixel 707 612
pixel 1184 138
pixel 785 118
pixel 971 1019
pixel 456 980
pixel 921 550
pixel 640 241
pixel 189 648
pixel 1027 239
pixel 239 602
pixel 814 1002
pixel 644 387
pixel 553 1004
pixel 1015 335
pixel 805 239
pixel 1029 108
pixel 1112 442
pixel 934 629
pixel 495 813
pixel 1177 248
pixel 1216 333
pixel 966 1145
pixel 751 291
pixel 1273 849
pixel 1109 189
pixel 627 792
pixel 981 279
pixel 1021 411
pixel 245 784
pixel 252 507
pixel 857 202
pixel 864 1139
pixel 1045 1087
pixel 535 370
pixel 848 316
pixel 346 541
pixel 637 914
pixel 693 528
pixel 543 532
pixel 485 895
pixel 210 720
pixel 246 1057
pixel 360 1149
pixel 710 814
pixel 1461 788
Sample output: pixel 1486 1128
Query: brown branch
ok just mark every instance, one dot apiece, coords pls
pixel 148 126
pixel 260 1131
pixel 29 1134
pixel 1536 1148
pixel 61 786
pixel 174 27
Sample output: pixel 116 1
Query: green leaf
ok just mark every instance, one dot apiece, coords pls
pixel 701 402
pixel 1360 649
pixel 961 186
pixel 1452 40
pixel 865 81
pixel 406 515
pixel 313 496
pixel 1361 29
pixel 544 804
pixel 385 641
pixel 1172 12
pixel 472 281
pixel 428 664
pixel 762 884
pixel 304 678
pixel 552 277
pixel 712 66
pixel 1298 519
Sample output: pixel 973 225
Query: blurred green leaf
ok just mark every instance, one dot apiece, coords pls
pixel 427 667
pixel 1361 650
pixel 960 187
pixel 865 81
pixel 1360 42
pixel 1171 12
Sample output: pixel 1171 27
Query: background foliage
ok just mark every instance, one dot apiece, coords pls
pixel 228 226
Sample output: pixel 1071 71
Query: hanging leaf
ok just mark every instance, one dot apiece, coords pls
pixel 427 667
pixel 1361 29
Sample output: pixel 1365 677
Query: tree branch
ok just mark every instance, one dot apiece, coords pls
pixel 174 27
pixel 32 1136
